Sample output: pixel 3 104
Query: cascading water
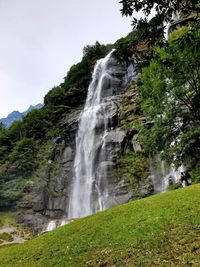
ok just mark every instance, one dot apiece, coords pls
pixel 51 226
pixel 162 174
pixel 87 196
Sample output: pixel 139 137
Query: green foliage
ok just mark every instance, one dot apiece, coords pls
pixel 18 166
pixel 23 157
pixel 170 97
pixel 96 51
pixel 135 166
pixel 195 173
pixel 13 190
pixel 78 71
pixel 8 137
pixel 21 163
pixel 36 123
pixel 174 185
pixel 128 48
pixel 162 230
pixel 2 127
pixel 77 79
pixel 130 110
pixel 163 10
pixel 16 171
pixel 152 31
pixel 52 179
pixel 5 145
pixel 138 45
pixel 7 218
pixel 6 237
pixel 54 96
pixel 79 75
pixel 124 46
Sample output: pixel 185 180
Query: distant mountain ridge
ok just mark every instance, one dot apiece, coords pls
pixel 16 115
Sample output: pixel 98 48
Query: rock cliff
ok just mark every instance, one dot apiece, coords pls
pixel 125 170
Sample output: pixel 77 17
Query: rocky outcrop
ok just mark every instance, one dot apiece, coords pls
pixel 119 107
pixel 35 221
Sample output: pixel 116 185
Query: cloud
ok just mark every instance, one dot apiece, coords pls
pixel 41 39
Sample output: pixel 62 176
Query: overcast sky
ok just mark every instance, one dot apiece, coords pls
pixel 41 39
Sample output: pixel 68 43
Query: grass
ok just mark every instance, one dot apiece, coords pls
pixel 7 218
pixel 163 230
pixel 6 237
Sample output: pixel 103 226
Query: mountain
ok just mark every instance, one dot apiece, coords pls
pixel 16 115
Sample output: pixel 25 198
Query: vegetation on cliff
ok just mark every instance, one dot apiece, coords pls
pixel 170 96
pixel 162 230
pixel 163 11
pixel 169 82
pixel 23 145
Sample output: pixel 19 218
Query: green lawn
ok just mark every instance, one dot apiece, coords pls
pixel 163 230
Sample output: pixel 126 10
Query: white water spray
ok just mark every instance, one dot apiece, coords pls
pixel 87 196
pixel 51 226
pixel 162 174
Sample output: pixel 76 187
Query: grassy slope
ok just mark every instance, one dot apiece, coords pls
pixel 162 230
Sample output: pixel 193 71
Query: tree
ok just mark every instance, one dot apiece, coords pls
pixel 97 50
pixel 36 123
pixel 138 45
pixel 170 96
pixel 2 127
pixel 164 12
pixel 165 9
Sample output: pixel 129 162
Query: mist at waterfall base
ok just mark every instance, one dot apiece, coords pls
pixel 162 174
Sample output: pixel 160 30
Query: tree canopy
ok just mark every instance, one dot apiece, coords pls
pixel 163 11
pixel 170 96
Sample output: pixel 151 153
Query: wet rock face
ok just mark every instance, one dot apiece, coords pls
pixel 34 221
pixel 116 81
pixel 40 201
pixel 115 136
pixel 109 110
pixel 67 155
pixel 113 139
pixel 52 199
pixel 57 199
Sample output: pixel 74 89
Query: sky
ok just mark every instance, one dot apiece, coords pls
pixel 41 39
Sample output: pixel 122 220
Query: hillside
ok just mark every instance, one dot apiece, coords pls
pixel 161 230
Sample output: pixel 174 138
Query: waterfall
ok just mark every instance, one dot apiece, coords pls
pixel 51 226
pixel 162 174
pixel 87 193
